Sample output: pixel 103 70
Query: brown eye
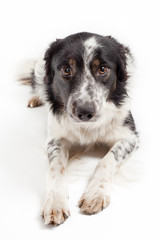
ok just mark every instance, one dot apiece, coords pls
pixel 102 70
pixel 66 71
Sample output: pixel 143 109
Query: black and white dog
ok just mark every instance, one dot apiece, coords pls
pixel 84 80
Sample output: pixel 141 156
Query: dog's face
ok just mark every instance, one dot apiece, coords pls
pixel 84 72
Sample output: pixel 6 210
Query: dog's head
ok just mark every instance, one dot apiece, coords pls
pixel 84 72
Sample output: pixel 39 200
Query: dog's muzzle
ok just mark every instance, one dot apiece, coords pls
pixel 84 112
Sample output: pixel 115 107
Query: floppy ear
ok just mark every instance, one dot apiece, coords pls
pixel 123 55
pixel 53 48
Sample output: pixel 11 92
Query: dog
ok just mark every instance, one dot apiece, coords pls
pixel 84 79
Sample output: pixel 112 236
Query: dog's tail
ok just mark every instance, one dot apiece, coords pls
pixel 26 72
pixel 31 73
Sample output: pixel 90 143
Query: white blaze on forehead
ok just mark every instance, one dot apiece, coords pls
pixel 88 90
pixel 90 45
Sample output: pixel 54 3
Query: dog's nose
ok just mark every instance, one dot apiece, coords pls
pixel 85 112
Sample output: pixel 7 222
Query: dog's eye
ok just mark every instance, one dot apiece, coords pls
pixel 102 70
pixel 66 71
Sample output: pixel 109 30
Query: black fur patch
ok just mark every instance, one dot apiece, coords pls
pixel 53 150
pixel 123 150
pixel 119 95
pixel 129 121
pixel 55 101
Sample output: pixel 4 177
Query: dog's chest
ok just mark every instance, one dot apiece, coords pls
pixel 85 135
pixel 103 134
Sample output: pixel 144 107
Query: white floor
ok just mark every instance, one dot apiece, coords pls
pixel 135 204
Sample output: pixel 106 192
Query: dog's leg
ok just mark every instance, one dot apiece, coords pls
pixel 55 209
pixel 97 194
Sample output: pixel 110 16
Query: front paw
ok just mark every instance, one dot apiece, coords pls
pixel 55 210
pixel 93 202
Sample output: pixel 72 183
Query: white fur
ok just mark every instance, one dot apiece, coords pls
pixel 90 45
pixel 55 208
pixel 39 76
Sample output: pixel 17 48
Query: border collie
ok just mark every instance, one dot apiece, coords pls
pixel 84 79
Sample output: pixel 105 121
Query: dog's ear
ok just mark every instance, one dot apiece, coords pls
pixel 53 48
pixel 123 55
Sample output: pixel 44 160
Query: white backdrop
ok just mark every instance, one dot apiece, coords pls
pixel 27 27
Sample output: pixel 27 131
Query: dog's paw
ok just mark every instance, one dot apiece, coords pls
pixel 34 102
pixel 94 202
pixel 55 210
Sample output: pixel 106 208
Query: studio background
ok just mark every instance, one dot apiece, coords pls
pixel 27 28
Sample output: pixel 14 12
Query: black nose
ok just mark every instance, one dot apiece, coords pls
pixel 85 112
